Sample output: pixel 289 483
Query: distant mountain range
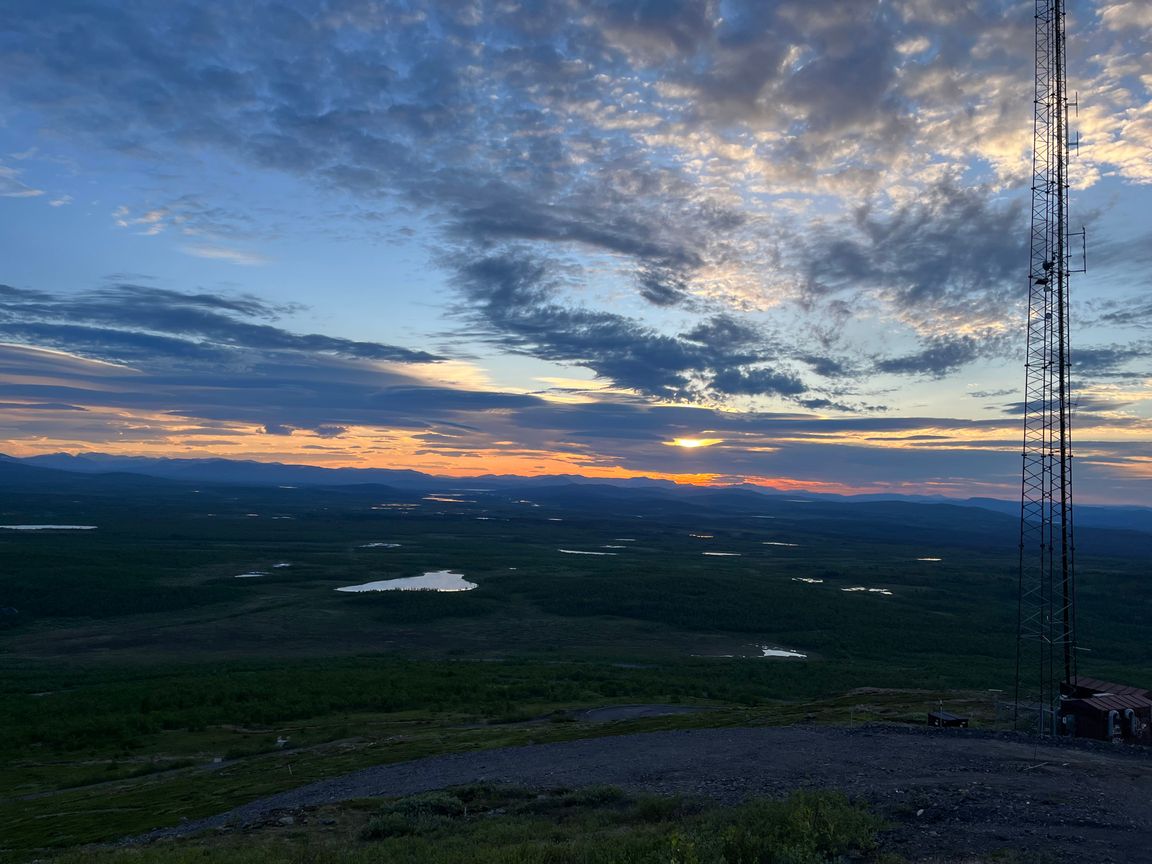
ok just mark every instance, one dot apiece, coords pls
pixel 252 473
pixel 247 472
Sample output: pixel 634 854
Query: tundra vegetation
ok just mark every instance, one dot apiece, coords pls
pixel 141 683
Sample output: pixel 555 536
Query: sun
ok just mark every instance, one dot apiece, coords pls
pixel 693 442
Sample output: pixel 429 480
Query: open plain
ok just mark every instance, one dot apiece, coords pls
pixel 146 687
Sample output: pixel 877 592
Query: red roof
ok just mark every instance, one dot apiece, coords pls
pixel 1086 688
pixel 1115 702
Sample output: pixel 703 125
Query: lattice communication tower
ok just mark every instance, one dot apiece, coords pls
pixel 1046 629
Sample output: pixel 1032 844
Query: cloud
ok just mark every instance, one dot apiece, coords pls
pixel 510 298
pixel 214 357
pixel 658 135
pixel 221 253
pixel 662 286
pixel 379 412
pixel 1131 312
pixel 276 393
pixel 953 251
pixel 11 186
pixel 942 356
pixel 1107 360
pixel 1097 404
pixel 828 366
pixel 192 215
pixel 1125 16
pixel 150 223
pixel 720 202
pixel 39 406
pixel 124 322
pixel 822 404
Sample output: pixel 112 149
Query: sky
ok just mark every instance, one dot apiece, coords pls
pixel 714 241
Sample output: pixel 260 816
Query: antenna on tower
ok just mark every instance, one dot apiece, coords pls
pixel 1046 623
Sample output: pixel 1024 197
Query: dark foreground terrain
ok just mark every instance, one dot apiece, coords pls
pixel 946 796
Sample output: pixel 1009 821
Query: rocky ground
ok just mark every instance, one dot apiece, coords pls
pixel 950 795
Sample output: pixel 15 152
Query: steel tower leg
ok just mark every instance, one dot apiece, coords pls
pixel 1045 641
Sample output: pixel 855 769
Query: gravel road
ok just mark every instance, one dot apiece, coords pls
pixel 947 793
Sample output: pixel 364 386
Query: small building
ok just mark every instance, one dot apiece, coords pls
pixel 1106 711
pixel 947 720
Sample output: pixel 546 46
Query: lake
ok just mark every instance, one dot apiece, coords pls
pixel 435 580
pixel 48 527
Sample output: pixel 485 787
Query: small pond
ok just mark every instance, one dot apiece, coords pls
pixel 436 580
pixel 48 527
pixel 767 651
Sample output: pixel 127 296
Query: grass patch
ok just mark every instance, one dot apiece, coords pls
pixel 510 825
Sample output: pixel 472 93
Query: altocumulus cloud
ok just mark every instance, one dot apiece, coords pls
pixel 656 135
